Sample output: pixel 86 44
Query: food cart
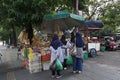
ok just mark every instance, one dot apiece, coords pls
pixel 92 43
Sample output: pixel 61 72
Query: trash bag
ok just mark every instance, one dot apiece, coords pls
pixel 69 60
pixel 59 65
pixel 53 65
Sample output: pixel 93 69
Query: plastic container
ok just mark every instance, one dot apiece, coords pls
pixel 8 46
pixel 85 56
pixel 102 48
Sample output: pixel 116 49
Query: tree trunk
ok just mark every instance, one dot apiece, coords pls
pixel 10 39
pixel 29 30
pixel 14 36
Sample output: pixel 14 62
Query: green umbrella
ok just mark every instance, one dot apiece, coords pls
pixel 63 19
pixel 63 14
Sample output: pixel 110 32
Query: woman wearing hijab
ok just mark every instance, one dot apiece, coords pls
pixel 65 50
pixel 77 64
pixel 56 53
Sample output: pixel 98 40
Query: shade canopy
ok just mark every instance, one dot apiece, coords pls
pixel 94 23
pixel 63 14
pixel 63 19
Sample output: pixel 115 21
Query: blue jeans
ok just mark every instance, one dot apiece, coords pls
pixel 77 64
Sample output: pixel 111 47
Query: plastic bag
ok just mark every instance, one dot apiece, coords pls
pixel 53 65
pixel 69 60
pixel 59 65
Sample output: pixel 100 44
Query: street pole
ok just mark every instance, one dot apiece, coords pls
pixel 76 12
pixel 76 7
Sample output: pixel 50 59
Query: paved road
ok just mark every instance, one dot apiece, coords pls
pixel 106 66
pixel 9 63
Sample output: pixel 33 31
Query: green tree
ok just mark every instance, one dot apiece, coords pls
pixel 94 8
pixel 105 10
pixel 4 34
pixel 29 13
pixel 111 16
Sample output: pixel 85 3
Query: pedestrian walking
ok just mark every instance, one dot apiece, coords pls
pixel 65 50
pixel 78 57
pixel 0 56
pixel 19 52
pixel 56 53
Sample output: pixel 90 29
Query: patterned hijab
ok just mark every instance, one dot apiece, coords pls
pixel 63 40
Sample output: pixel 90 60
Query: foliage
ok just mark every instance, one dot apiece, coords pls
pixel 106 32
pixel 22 12
pixel 29 13
pixel 94 8
pixel 105 10
pixel 111 16
pixel 4 34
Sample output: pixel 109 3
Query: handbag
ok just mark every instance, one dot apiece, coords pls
pixel 73 51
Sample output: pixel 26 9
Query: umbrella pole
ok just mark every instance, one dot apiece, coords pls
pixel 99 35
pixel 59 32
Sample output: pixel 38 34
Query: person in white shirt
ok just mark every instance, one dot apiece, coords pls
pixel 56 53
pixel 65 50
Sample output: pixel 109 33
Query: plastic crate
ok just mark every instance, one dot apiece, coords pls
pixel 45 58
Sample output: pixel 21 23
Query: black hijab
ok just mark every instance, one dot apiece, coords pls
pixel 63 40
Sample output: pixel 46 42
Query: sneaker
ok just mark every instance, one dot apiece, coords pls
pixel 74 72
pixel 79 72
pixel 65 68
pixel 58 76
pixel 53 76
